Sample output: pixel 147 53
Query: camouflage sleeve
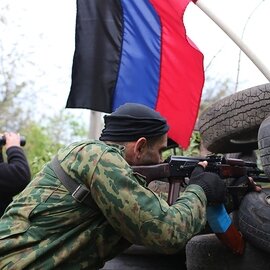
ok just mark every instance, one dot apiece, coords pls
pixel 139 214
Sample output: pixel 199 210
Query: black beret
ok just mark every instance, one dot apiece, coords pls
pixel 131 121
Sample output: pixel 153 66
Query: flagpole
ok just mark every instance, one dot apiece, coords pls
pixel 234 37
pixel 95 125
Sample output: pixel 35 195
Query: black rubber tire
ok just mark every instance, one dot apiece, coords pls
pixel 231 124
pixel 264 145
pixel 206 252
pixel 141 258
pixel 254 219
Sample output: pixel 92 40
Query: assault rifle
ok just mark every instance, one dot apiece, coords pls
pixel 176 169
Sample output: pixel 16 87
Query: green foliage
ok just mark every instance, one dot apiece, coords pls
pixel 40 147
pixel 194 147
pixel 65 128
pixel 43 142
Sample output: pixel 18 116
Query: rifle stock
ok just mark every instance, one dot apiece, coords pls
pixel 154 172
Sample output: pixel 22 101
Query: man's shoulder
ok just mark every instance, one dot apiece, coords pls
pixel 92 146
pixel 93 151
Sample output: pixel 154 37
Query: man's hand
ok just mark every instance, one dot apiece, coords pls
pixel 212 185
pixel 253 186
pixel 12 139
pixel 236 196
pixel 245 180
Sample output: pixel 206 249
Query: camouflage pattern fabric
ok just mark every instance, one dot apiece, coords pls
pixel 45 228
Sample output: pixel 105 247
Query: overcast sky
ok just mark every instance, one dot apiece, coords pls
pixel 251 15
pixel 47 28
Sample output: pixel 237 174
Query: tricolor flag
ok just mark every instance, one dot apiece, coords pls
pixel 137 51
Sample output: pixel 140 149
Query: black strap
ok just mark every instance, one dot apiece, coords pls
pixel 78 191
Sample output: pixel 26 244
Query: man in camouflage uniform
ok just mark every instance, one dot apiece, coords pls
pixel 46 228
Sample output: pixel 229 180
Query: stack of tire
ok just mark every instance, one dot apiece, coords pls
pixel 239 123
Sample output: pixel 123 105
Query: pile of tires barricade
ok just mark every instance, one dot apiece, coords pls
pixel 239 123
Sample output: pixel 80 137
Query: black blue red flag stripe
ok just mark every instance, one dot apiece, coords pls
pixel 137 51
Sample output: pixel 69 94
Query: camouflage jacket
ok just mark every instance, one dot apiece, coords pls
pixel 45 228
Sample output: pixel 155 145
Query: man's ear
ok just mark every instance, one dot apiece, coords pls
pixel 140 146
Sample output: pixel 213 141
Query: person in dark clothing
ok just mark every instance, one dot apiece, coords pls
pixel 15 173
